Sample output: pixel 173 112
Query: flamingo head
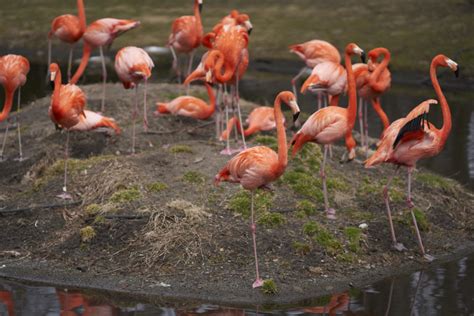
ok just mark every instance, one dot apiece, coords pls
pixel 374 55
pixel 200 5
pixel 53 70
pixel 448 62
pixel 244 20
pixel 353 49
pixel 290 99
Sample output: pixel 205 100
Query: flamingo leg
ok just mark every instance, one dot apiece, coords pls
pixel 145 115
pixel 330 212
pixel 2 153
pixel 361 122
pixel 18 111
pixel 69 64
pixel 104 78
pixel 396 245
pixel 134 118
pixel 295 79
pixel 176 64
pixel 65 195
pixel 411 206
pixel 190 67
pixel 258 281
pixel 320 99
pixel 238 104
pixel 366 130
pixel 217 113
pixel 50 44
pixel 227 150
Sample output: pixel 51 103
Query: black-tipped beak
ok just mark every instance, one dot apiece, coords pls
pixel 456 72
pixel 249 31
pixel 200 7
pixel 51 85
pixel 295 116
pixel 362 57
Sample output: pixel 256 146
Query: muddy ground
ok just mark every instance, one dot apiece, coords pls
pixel 155 224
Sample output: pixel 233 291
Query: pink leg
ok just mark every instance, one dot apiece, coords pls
pixel 176 64
pixel 361 122
pixel 411 206
pixel 20 148
pixel 190 67
pixel 65 195
pixel 2 153
pixel 217 113
pixel 320 99
pixel 330 212
pixel 48 79
pixel 69 64
pixel 366 129
pixel 227 150
pixel 258 281
pixel 145 116
pixel 295 79
pixel 134 118
pixel 238 106
pixel 104 79
pixel 395 244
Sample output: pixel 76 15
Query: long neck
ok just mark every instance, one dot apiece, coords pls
pixel 374 77
pixel 352 108
pixel 281 136
pixel 8 103
pixel 197 15
pixel 212 100
pixel 442 100
pixel 228 73
pixel 380 112
pixel 82 15
pixel 86 53
pixel 57 90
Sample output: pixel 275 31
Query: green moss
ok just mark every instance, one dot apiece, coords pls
pixel 301 248
pixel 307 207
pixel 269 141
pixel 310 228
pixel 194 177
pixel 240 202
pixel 92 209
pixel 99 219
pixel 327 241
pixel 87 234
pixel 346 257
pixel 269 287
pixel 337 183
pixel 126 195
pixel 353 235
pixel 357 215
pixel 156 187
pixel 304 184
pixel 433 180
pixel 178 149
pixel 271 219
pixel 421 219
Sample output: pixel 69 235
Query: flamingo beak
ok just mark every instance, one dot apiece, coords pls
pixel 249 27
pixel 209 76
pixel 362 57
pixel 295 116
pixel 456 72
pixel 200 6
pixel 53 75
pixel 296 110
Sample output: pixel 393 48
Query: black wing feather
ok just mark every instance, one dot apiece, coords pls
pixel 417 124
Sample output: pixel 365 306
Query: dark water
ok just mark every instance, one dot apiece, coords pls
pixel 445 289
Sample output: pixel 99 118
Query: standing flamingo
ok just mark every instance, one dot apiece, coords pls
pixel 101 33
pixel 329 124
pixel 412 138
pixel 13 72
pixel 189 106
pixel 233 19
pixel 186 35
pixel 134 65
pixel 256 167
pixel 261 118
pixel 313 53
pixel 69 29
pixel 67 110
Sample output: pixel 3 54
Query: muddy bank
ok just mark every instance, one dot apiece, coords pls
pixel 151 220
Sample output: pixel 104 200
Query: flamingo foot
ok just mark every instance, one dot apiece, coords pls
pixel 398 246
pixel 331 213
pixel 228 151
pixel 258 283
pixel 64 196
pixel 428 257
pixel 20 159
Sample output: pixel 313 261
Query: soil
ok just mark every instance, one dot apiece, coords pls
pixel 154 224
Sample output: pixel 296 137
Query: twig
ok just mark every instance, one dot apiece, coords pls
pixel 125 217
pixel 51 206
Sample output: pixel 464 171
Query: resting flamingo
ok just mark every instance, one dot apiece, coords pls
pixel 67 110
pixel 330 124
pixel 13 72
pixel 186 35
pixel 101 33
pixel 313 53
pixel 261 118
pixel 133 65
pixel 256 167
pixel 69 29
pixel 189 106
pixel 412 138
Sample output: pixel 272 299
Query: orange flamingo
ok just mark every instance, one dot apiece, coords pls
pixel 6 299
pixel 329 124
pixel 134 65
pixel 69 29
pixel 412 138
pixel 101 33
pixel 67 110
pixel 256 167
pixel 189 106
pixel 13 72
pixel 186 35
pixel 313 53
pixel 261 118
pixel 235 18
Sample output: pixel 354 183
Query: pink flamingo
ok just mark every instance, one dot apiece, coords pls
pixel 412 138
pixel 330 124
pixel 133 65
pixel 256 167
pixel 13 72
pixel 101 33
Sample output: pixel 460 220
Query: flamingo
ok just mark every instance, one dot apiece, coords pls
pixel 412 138
pixel 13 72
pixel 313 53
pixel 256 167
pixel 186 35
pixel 235 18
pixel 101 33
pixel 67 110
pixel 6 299
pixel 134 65
pixel 329 124
pixel 189 106
pixel 261 118
pixel 372 81
pixel 69 29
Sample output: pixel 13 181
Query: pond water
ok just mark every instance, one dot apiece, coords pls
pixel 444 289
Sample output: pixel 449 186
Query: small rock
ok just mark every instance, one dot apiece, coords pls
pixel 315 270
pixel 363 226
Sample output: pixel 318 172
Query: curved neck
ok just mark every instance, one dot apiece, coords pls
pixel 228 73
pixel 442 100
pixel 281 137
pixel 57 89
pixel 86 53
pixel 82 15
pixel 212 100
pixel 380 112
pixel 352 108
pixel 374 77
pixel 7 106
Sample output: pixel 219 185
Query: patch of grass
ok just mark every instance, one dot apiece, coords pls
pixel 337 183
pixel 346 257
pixel 156 187
pixel 179 149
pixel 310 228
pixel 359 215
pixel 271 219
pixel 269 287
pixel 307 207
pixel 194 177
pixel 266 140
pixel 87 234
pixel 354 235
pixel 99 219
pixel 328 241
pixel 304 184
pixel 240 202
pixel 423 223
pixel 433 180
pixel 301 248
pixel 126 195
pixel 92 209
